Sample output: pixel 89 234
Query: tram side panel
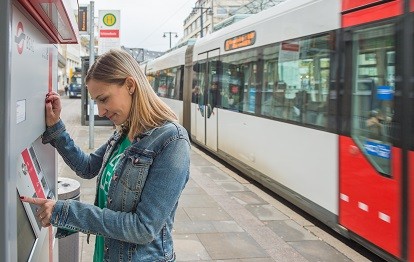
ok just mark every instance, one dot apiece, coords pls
pixel 301 159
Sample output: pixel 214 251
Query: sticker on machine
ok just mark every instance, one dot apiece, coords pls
pixel 20 111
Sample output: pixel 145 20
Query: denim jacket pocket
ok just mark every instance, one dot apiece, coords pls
pixel 131 182
pixel 135 172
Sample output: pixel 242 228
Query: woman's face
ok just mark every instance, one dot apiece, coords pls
pixel 113 101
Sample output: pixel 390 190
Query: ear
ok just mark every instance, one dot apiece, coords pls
pixel 130 84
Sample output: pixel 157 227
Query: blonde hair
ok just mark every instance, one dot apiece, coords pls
pixel 147 109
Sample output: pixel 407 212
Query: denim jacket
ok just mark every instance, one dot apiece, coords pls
pixel 143 195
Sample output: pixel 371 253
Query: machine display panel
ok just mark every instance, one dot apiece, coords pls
pixel 31 181
pixel 26 238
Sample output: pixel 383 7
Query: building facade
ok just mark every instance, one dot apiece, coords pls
pixel 209 13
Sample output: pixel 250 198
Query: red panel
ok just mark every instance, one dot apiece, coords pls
pixel 109 33
pixel 374 13
pixel 370 204
pixel 33 175
pixel 350 4
pixel 411 206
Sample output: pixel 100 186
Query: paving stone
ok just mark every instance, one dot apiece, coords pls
pixel 189 248
pixel 194 227
pixel 289 230
pixel 316 250
pixel 206 213
pixel 197 201
pixel 232 245
pixel 266 212
pixel 247 197
pixel 231 186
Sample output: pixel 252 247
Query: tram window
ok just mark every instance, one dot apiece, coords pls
pixel 250 87
pixel 373 94
pixel 199 82
pixel 243 74
pixel 178 90
pixel 151 79
pixel 232 82
pixel 164 83
pixel 296 80
pixel 231 86
pixel 214 84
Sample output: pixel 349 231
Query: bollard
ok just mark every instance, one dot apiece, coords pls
pixel 68 246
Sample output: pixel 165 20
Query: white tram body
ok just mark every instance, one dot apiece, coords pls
pixel 285 154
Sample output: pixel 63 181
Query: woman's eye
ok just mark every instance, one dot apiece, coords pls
pixel 103 100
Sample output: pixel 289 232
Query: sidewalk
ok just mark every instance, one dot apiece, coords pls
pixel 221 216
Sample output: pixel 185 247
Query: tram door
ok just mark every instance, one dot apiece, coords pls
pixel 370 162
pixel 209 85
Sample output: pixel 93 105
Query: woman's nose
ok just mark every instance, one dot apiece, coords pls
pixel 101 111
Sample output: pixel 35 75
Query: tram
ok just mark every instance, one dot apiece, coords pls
pixel 314 100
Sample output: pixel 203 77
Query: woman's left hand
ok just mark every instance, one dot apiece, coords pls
pixel 44 212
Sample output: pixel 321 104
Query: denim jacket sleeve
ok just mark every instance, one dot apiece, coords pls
pixel 167 177
pixel 85 166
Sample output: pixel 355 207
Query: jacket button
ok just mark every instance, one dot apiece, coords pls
pixel 112 142
pixel 136 161
pixel 114 177
pixel 109 200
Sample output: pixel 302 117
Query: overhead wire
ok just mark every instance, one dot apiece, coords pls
pixel 161 25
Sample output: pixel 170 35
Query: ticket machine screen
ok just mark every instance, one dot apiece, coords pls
pixel 26 237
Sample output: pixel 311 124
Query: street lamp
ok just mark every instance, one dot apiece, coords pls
pixel 201 16
pixel 170 33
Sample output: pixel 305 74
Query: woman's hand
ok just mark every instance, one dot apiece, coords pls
pixel 44 212
pixel 53 108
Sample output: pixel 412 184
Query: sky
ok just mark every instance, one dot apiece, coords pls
pixel 143 22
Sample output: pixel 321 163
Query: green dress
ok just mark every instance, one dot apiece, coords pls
pixel 103 191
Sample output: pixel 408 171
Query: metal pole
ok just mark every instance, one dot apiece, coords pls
pixel 91 61
pixel 170 33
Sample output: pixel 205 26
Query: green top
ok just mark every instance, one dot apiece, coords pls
pixel 103 191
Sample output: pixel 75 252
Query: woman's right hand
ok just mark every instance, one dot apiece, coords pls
pixel 53 108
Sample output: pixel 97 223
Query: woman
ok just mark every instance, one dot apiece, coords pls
pixel 141 171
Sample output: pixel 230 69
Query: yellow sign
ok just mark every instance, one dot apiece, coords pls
pixel 240 41
pixel 109 19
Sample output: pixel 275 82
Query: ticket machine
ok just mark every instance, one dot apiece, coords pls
pixel 30 30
